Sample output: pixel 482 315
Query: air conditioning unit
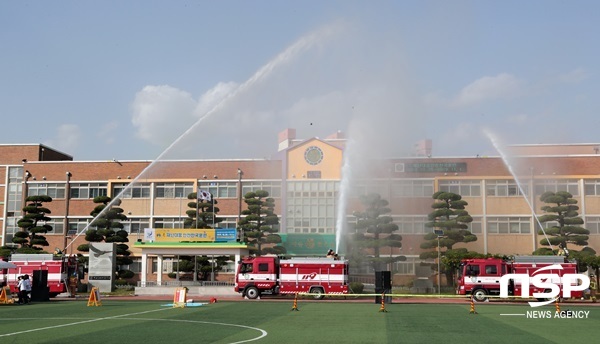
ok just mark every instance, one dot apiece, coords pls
pixel 399 167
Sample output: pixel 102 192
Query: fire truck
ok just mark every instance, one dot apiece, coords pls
pixel 273 276
pixel 481 278
pixel 55 269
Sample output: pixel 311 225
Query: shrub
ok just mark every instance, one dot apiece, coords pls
pixel 356 287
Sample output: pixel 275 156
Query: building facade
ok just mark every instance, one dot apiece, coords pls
pixel 304 177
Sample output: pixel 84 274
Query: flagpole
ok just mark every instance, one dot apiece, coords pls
pixel 197 202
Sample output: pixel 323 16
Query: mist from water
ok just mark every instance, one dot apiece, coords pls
pixel 497 146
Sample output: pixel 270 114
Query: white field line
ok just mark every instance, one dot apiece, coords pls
pixel 263 332
pixel 75 323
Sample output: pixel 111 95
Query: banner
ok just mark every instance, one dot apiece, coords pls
pixel 178 235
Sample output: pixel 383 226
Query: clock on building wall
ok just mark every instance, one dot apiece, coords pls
pixel 313 155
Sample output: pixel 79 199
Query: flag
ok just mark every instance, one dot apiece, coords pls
pixel 204 195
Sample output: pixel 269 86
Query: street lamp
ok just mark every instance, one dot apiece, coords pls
pixel 439 233
pixel 240 173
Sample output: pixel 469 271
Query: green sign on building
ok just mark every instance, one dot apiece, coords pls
pixel 308 244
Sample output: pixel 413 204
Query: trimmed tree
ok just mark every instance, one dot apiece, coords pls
pixel 375 231
pixel 450 220
pixel 33 225
pixel 260 224
pixel 562 209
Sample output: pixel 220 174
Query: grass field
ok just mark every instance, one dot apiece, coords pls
pixel 266 321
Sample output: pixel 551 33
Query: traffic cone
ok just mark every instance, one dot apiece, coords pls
pixel 472 310
pixel 295 307
pixel 382 308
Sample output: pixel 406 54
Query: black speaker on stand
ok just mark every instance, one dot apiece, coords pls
pixel 383 284
pixel 39 286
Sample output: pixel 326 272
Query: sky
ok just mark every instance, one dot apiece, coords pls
pixel 145 80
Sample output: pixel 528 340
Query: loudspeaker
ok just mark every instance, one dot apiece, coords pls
pixel 39 286
pixel 383 279
pixel 383 284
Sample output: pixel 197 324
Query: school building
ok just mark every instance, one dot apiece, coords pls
pixel 304 177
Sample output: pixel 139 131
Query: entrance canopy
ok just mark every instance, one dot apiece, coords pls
pixel 173 249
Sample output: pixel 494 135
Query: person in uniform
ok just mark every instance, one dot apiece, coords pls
pixel 593 288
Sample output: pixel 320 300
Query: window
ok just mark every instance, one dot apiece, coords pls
pixel 311 206
pixel 77 226
pixel 592 223
pixel 591 187
pixel 504 188
pixel 88 190
pixel 136 265
pixel 405 268
pixel 472 270
pixel 491 270
pixel 174 190
pixel 465 188
pixel 166 222
pixel 246 268
pixel 135 225
pixel 476 226
pixel 411 225
pixel 58 226
pixel 412 188
pixel 263 267
pixel 509 225
pixel 54 190
pixel 137 190
pixel 555 185
pixel 272 187
pixel 220 189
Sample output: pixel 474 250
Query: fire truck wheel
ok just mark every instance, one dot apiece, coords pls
pixel 319 293
pixel 252 292
pixel 480 295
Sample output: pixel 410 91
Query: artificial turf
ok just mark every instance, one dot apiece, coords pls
pixel 264 321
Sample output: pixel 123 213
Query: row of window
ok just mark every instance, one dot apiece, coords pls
pixel 318 189
pixel 143 190
pixel 502 188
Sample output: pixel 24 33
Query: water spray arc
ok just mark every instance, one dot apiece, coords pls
pixel 504 158
pixel 302 44
pixel 343 197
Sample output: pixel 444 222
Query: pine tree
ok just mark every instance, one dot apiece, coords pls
pixel 451 220
pixel 562 209
pixel 260 223
pixel 375 231
pixel 33 225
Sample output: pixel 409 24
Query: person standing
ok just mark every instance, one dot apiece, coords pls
pixel 593 288
pixel 27 282
pixel 19 288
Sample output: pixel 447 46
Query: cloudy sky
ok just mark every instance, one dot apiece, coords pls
pixel 137 80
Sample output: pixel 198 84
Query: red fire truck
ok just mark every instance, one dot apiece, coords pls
pixel 481 278
pixel 271 275
pixel 55 269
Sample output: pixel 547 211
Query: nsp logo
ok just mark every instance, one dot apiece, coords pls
pixel 549 282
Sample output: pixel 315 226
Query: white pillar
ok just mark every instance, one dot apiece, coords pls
pixel 159 269
pixel 144 271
